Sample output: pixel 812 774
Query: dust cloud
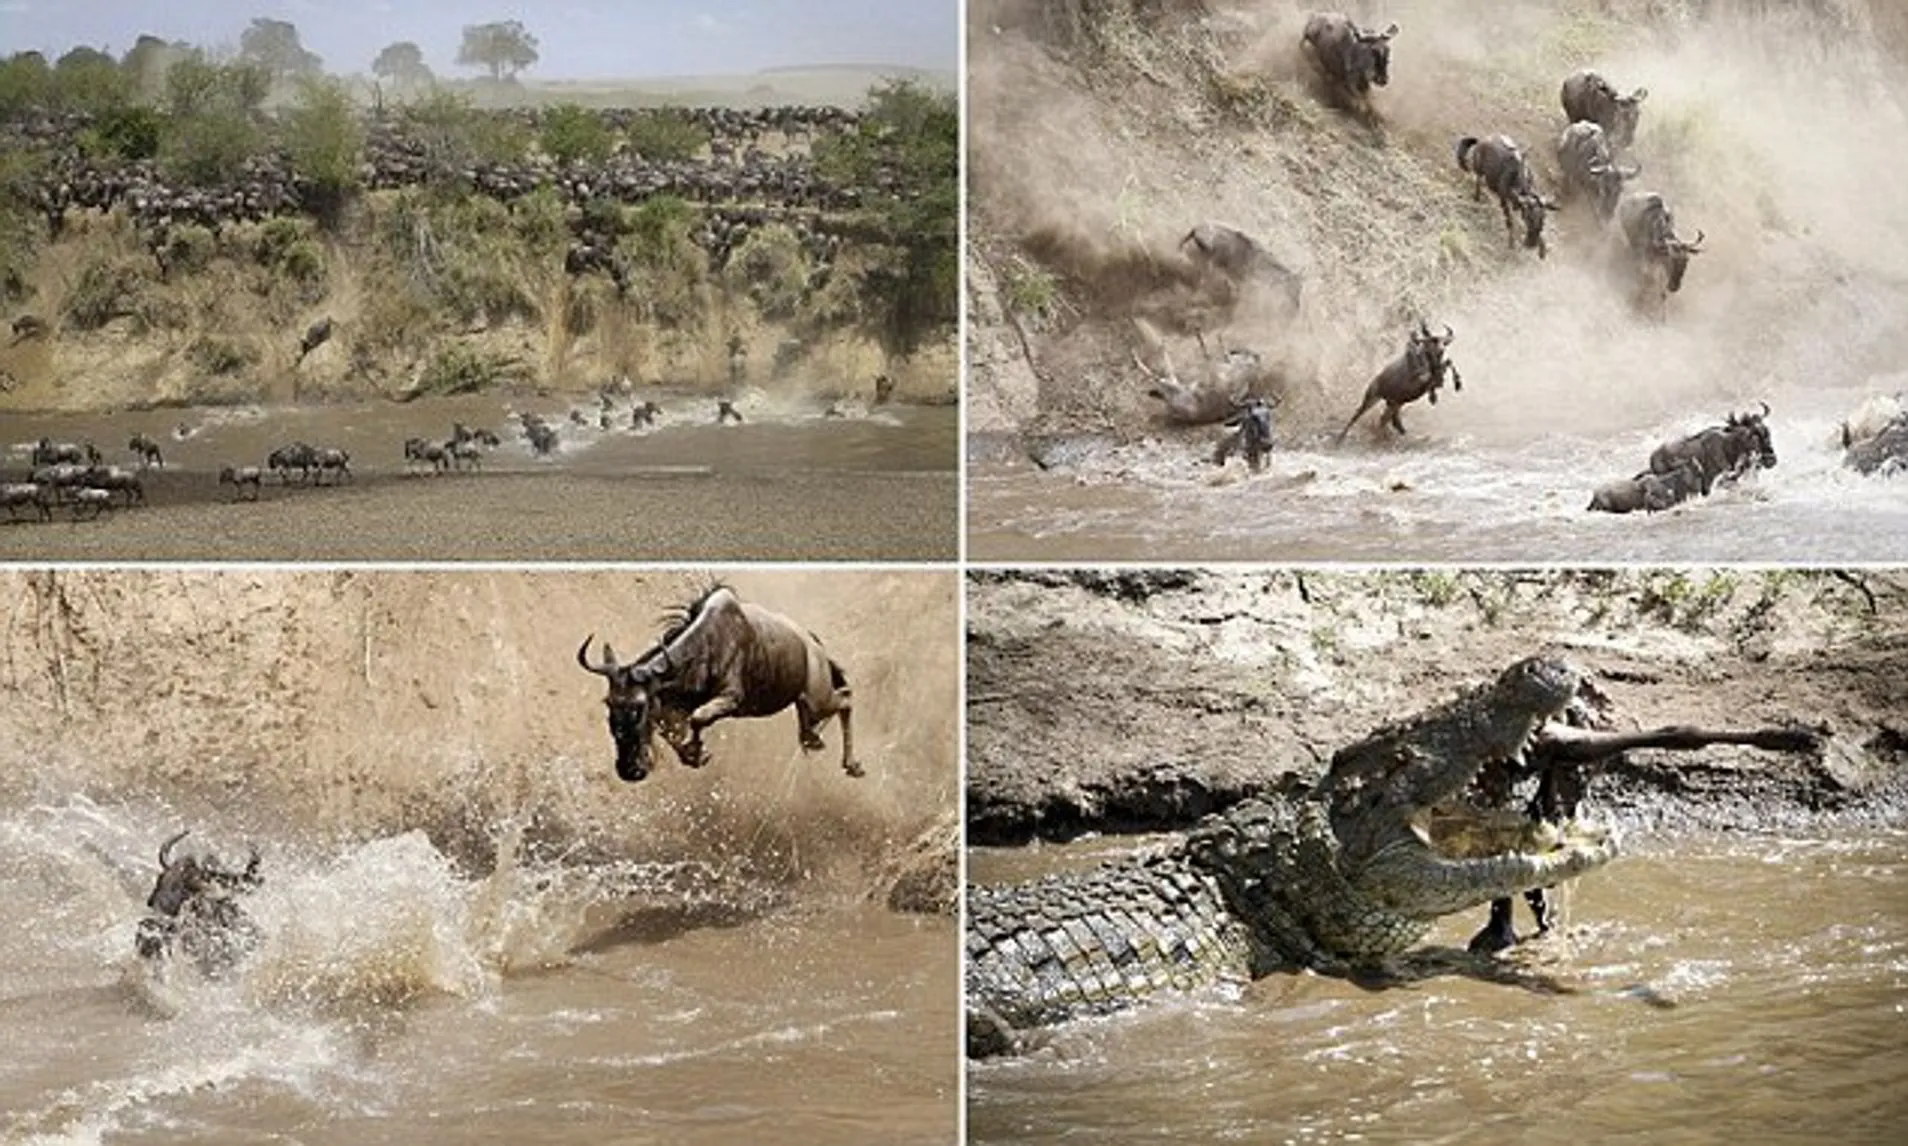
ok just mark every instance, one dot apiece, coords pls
pixel 1100 132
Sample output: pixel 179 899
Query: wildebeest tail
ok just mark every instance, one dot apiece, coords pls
pixel 836 677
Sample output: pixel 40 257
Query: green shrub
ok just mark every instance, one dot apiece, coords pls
pixel 573 134
pixel 460 368
pixel 663 136
pixel 304 262
pixel 189 248
pixel 218 356
pixel 771 267
pixel 104 291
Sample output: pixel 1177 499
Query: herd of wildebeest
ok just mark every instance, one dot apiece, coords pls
pixel 1601 128
pixel 757 172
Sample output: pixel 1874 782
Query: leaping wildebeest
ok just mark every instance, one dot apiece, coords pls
pixel 1658 258
pixel 1351 60
pixel 1589 98
pixel 720 657
pixel 1499 164
pixel 1740 444
pixel 1417 373
pixel 194 911
pixel 1584 158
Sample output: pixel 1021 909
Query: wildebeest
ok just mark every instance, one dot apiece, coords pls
pixel 644 415
pixel 1875 440
pixel 61 478
pixel 1740 444
pixel 417 452
pixel 1351 60
pixel 1499 164
pixel 1251 424
pixel 89 503
pixel 28 326
pixel 1240 258
pixel 239 478
pixel 542 435
pixel 146 451
pixel 17 495
pixel 117 480
pixel 194 911
pixel 1584 158
pixel 1417 373
pixel 1650 492
pixel 1657 257
pixel 1588 97
pixel 465 455
pixel 721 657
pixel 332 461
pixel 316 335
pixel 883 389
pixel 725 409
pixel 298 456
pixel 47 452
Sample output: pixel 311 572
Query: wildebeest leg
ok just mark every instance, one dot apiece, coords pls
pixel 849 764
pixel 1539 908
pixel 1392 410
pixel 1371 399
pixel 1497 935
pixel 809 727
pixel 717 709
pixel 1227 446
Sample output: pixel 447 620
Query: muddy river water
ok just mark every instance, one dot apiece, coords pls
pixel 1440 495
pixel 398 998
pixel 1708 989
pixel 791 483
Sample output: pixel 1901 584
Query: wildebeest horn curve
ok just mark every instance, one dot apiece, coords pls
pixel 609 658
pixel 1765 408
pixel 1449 334
pixel 165 849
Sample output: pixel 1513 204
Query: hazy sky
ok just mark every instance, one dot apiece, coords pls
pixel 577 39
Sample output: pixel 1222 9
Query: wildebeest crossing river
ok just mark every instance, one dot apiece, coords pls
pixel 791 483
pixel 1441 494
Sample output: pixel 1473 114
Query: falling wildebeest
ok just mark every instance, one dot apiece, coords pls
pixel 1583 155
pixel 1242 259
pixel 1251 435
pixel 240 477
pixel 1417 373
pixel 720 657
pixel 1649 492
pixel 1351 60
pixel 1589 98
pixel 1208 401
pixel 1658 258
pixel 1499 164
pixel 195 913
pixel 1740 444
pixel 725 409
pixel 28 326
pixel 146 451
pixel 316 335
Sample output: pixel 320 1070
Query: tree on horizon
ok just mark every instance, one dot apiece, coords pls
pixel 504 48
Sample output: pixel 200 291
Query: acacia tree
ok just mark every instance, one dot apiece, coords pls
pixel 402 63
pixel 274 46
pixel 504 47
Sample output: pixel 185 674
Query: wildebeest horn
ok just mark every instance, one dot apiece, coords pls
pixel 165 849
pixel 608 666
pixel 1635 170
pixel 1389 32
pixel 1449 334
pixel 1695 248
pixel 1765 408
pixel 1640 94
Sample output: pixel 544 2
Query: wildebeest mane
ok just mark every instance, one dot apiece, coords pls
pixel 676 619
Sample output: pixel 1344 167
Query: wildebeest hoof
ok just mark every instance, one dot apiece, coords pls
pixel 1492 938
pixel 854 768
pixel 812 742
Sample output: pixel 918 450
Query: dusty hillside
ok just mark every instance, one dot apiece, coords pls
pixel 1142 700
pixel 1101 131
pixel 346 705
pixel 223 326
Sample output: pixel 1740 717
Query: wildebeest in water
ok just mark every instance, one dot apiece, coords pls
pixel 720 657
pixel 1417 373
pixel 194 911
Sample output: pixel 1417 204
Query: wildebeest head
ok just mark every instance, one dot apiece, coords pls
pixel 1376 56
pixel 183 878
pixel 631 700
pixel 1426 351
pixel 1753 429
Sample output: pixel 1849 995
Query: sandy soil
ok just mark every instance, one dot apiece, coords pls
pixel 1141 700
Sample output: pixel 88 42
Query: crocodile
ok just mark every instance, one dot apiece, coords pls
pixel 1337 875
